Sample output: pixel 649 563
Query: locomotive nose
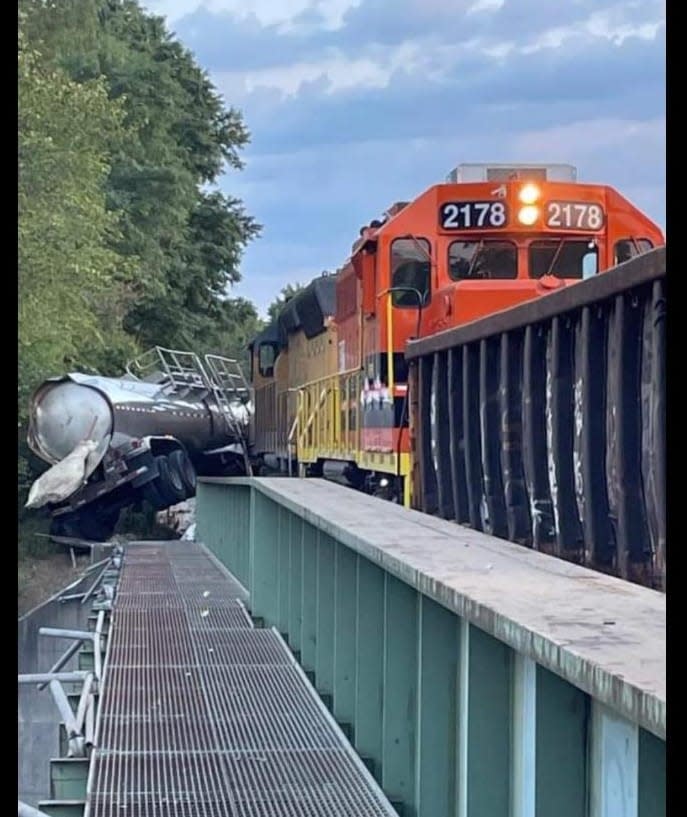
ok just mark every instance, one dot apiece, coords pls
pixel 64 414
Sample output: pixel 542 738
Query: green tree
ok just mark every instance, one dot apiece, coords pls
pixel 186 236
pixel 69 277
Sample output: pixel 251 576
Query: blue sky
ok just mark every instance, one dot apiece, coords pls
pixel 355 104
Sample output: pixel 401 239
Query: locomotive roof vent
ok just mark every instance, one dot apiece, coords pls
pixel 511 172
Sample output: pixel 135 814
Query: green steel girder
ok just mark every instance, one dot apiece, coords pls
pixel 453 720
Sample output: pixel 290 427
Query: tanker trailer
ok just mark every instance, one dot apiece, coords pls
pixel 113 442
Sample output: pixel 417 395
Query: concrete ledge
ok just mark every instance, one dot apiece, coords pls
pixel 602 634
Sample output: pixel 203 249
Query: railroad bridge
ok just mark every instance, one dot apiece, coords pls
pixel 322 652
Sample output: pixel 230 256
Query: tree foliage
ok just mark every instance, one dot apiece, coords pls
pixel 71 281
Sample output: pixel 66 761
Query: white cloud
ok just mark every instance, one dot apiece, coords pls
pixel 586 138
pixel 609 24
pixel 339 72
pixel 485 5
pixel 266 12
pixel 498 51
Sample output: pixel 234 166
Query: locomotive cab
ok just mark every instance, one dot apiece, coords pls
pixel 489 238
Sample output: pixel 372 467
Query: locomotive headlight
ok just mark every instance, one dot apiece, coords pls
pixel 528 215
pixel 529 194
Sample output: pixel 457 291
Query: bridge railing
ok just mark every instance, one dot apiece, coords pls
pixel 475 677
pixel 545 424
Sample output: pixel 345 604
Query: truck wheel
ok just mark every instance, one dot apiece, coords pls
pixel 152 496
pixel 180 462
pixel 169 483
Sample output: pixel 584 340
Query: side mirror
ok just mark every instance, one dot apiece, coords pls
pixel 419 297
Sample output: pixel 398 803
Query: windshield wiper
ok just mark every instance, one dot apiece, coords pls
pixel 475 256
pixel 549 271
pixel 419 246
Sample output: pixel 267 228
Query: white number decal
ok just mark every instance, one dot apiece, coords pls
pixel 570 215
pixel 595 217
pixel 472 215
pixel 554 215
pixel 498 214
pixel 450 215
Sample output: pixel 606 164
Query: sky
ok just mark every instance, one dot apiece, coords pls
pixel 355 104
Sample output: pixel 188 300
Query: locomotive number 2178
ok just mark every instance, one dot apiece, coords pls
pixel 473 215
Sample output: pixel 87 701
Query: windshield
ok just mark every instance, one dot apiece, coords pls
pixel 572 258
pixel 472 260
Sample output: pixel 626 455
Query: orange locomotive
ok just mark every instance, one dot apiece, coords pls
pixel 330 377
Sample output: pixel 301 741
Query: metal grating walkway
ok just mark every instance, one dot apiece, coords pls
pixel 203 715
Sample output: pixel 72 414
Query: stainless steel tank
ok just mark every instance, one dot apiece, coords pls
pixel 114 411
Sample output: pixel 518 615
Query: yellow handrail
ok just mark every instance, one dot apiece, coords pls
pixel 390 344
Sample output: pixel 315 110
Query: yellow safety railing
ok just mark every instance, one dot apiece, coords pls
pixel 325 409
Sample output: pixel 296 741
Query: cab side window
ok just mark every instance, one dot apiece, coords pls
pixel 410 271
pixel 266 358
pixel 628 248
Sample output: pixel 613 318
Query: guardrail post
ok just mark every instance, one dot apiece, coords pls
pixel 324 666
pixel 369 622
pixel 295 588
pixel 484 719
pixel 344 634
pixel 614 765
pixel 561 765
pixel 264 532
pixel 437 709
pixel 283 539
pixel 524 736
pixel 243 507
pixel 308 638
pixel 399 718
pixel 652 775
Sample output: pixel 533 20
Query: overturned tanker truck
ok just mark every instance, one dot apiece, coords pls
pixel 113 442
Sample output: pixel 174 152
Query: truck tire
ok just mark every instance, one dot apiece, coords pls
pixel 180 462
pixel 153 496
pixel 169 483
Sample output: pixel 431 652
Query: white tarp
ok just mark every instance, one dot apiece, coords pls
pixel 64 478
